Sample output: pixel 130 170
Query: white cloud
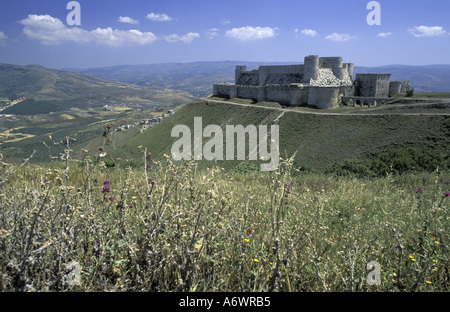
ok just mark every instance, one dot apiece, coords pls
pixel 307 32
pixel 51 31
pixel 427 31
pixel 187 38
pixel 3 38
pixel 117 38
pixel 212 33
pixel 251 33
pixel 127 20
pixel 339 37
pixel 225 21
pixel 158 17
pixel 384 34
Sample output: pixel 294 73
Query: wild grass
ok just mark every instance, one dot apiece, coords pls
pixel 174 227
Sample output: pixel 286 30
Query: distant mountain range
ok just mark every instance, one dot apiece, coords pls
pixel 197 78
pixel 71 89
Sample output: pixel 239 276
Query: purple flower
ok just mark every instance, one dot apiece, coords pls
pixel 111 198
pixel 100 149
pixel 106 189
pixel 447 194
pixel 419 190
pixel 287 188
pixel 151 181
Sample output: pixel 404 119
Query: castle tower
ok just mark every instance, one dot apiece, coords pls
pixel 350 69
pixel 338 67
pixel 311 68
pixel 238 73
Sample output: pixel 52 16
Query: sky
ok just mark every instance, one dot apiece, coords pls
pixel 97 33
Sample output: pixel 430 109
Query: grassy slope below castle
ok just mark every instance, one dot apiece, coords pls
pixel 319 140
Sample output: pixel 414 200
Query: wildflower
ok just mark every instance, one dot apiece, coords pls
pixel 428 282
pixel 248 231
pixel 419 190
pixel 151 181
pixel 437 243
pixel 111 198
pixel 106 189
pixel 100 149
pixel 287 188
pixel 256 260
pixel 447 194
pixel 246 240
pixel 434 235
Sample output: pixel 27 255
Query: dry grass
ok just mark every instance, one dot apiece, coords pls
pixel 173 227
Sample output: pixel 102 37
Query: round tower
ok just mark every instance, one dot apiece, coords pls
pixel 311 68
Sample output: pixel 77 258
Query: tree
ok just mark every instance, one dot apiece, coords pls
pixel 410 93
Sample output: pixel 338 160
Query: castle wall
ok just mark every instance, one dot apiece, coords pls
pixel 223 89
pixel 278 93
pixel 283 75
pixel 383 86
pixel 406 86
pixel 247 92
pixel 395 87
pixel 323 97
pixel 248 78
pixel 298 95
pixel 372 85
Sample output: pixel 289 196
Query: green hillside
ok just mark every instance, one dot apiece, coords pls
pixel 67 89
pixel 320 140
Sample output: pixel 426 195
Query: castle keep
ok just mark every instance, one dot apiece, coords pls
pixel 321 82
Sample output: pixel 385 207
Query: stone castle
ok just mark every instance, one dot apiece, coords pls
pixel 321 82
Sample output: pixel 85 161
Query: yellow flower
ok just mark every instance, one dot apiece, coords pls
pixel 428 282
pixel 256 260
pixel 246 240
pixel 437 243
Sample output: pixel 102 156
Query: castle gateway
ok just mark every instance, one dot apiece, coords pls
pixel 321 82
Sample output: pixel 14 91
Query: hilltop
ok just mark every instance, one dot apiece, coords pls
pixel 60 90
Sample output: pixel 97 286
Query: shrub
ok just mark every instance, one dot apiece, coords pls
pixel 410 93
